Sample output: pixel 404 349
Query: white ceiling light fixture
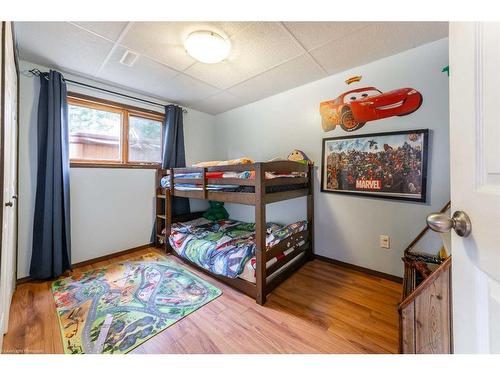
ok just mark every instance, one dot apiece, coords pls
pixel 207 46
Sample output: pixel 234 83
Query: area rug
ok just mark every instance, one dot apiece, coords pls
pixel 116 308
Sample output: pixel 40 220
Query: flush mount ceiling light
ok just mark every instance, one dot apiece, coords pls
pixel 207 46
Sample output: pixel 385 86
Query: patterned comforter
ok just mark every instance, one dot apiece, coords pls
pixel 223 247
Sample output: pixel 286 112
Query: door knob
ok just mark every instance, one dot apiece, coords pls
pixel 441 223
pixel 9 204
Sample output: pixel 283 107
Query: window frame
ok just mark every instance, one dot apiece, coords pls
pixel 125 111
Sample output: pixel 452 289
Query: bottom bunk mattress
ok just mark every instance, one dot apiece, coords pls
pixel 227 247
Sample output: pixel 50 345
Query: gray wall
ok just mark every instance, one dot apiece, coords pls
pixel 348 227
pixel 111 209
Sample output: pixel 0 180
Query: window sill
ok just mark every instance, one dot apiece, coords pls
pixel 114 165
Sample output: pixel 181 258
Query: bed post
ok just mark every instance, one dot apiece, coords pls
pixel 204 182
pixel 310 211
pixel 260 234
pixel 168 211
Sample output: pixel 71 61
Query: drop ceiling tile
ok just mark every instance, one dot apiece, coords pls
pixel 425 32
pixel 379 40
pixel 145 75
pixel 315 34
pixel 61 45
pixel 183 88
pixel 255 49
pixel 110 30
pixel 164 41
pixel 284 77
pixel 218 103
pixel 230 29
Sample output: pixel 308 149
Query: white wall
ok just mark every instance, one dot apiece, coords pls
pixel 111 209
pixel 348 227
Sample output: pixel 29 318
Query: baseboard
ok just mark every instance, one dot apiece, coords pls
pixel 113 255
pixel 368 271
pixel 23 280
pixel 96 260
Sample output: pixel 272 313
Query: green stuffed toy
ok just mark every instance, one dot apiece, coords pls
pixel 299 156
pixel 216 211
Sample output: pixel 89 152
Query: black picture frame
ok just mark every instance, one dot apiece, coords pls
pixel 421 198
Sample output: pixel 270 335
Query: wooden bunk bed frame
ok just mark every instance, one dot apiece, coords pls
pixel 259 199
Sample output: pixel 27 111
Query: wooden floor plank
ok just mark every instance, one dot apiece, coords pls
pixel 322 308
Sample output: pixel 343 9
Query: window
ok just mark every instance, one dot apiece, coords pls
pixel 94 134
pixel 144 139
pixel 112 134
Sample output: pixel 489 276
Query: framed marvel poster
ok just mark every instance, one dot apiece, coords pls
pixel 385 165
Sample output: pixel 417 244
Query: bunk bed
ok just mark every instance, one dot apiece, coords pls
pixel 256 184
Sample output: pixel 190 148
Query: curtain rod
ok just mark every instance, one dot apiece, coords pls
pixel 36 72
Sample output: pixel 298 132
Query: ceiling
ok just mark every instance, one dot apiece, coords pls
pixel 266 57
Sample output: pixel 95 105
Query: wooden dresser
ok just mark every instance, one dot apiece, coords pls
pixel 425 314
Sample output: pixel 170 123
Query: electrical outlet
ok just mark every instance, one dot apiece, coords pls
pixel 385 241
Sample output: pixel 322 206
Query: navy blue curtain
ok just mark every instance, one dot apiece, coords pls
pixel 174 155
pixel 51 252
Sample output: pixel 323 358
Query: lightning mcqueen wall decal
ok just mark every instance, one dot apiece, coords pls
pixel 353 109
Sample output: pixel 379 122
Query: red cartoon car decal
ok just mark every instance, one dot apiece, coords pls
pixel 355 108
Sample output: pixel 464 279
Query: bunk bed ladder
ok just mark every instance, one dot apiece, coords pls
pixel 162 213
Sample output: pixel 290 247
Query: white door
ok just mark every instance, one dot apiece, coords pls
pixel 475 184
pixel 9 206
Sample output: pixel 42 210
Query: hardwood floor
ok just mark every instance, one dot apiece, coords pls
pixel 322 308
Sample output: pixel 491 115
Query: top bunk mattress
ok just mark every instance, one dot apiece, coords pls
pixel 165 182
